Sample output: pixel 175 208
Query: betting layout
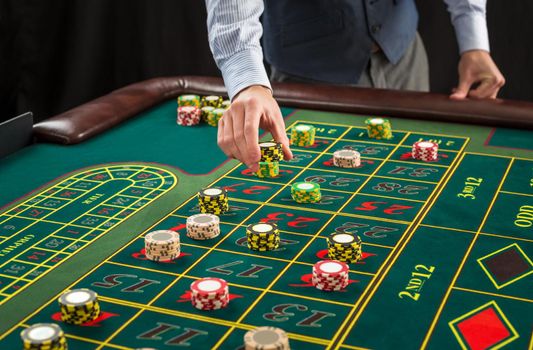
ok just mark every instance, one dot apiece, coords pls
pixel 60 219
pixel 395 204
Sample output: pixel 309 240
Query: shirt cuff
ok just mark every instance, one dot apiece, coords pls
pixel 471 31
pixel 244 68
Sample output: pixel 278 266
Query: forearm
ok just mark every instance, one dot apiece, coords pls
pixel 469 20
pixel 234 37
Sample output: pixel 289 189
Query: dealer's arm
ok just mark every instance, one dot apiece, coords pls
pixel 476 66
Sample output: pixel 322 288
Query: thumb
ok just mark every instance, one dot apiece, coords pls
pixel 462 89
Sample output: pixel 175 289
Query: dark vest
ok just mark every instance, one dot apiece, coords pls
pixel 331 40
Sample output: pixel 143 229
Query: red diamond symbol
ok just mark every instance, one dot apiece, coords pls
pixel 485 328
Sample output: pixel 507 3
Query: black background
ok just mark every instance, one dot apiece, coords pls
pixel 55 55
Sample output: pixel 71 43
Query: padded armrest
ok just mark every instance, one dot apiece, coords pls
pixel 94 117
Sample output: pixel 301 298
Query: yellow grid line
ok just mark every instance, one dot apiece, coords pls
pixel 351 347
pixel 14 277
pixel 447 228
pixel 32 263
pixel 70 238
pixel 517 193
pixel 474 232
pixel 507 237
pixel 109 173
pixel 493 294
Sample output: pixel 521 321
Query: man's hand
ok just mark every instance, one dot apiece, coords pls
pixel 477 67
pixel 252 108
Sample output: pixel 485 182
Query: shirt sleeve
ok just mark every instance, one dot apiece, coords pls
pixel 470 23
pixel 235 31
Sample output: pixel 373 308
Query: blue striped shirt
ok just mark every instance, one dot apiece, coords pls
pixel 235 32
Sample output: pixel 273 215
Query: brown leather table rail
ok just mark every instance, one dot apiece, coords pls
pixel 94 117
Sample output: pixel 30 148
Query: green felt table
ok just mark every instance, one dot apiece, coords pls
pixel 447 245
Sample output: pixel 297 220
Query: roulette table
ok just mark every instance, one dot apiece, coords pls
pixel 447 245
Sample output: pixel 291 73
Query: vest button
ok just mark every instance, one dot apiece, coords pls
pixel 375 28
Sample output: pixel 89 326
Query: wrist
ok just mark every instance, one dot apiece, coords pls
pixel 475 52
pixel 254 89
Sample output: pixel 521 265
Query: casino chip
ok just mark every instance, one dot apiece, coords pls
pixel 79 306
pixel 271 155
pixel 266 338
pixel 303 135
pixel 378 128
pixel 225 104
pixel 213 200
pixel 213 101
pixel 206 113
pixel 426 151
pixel 330 275
pixel 268 169
pixel 262 236
pixel 189 100
pixel 203 226
pixel 345 247
pixel 188 116
pixel 214 116
pixel 346 159
pixel 44 336
pixel 209 293
pixel 306 192
pixel 162 245
pixel 271 151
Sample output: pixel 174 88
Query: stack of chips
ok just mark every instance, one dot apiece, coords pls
pixel 44 336
pixel 345 247
pixel 213 101
pixel 426 151
pixel 209 293
pixel 188 115
pixel 206 113
pixel 266 338
pixel 303 135
pixel 214 116
pixel 189 100
pixel 330 275
pixel 162 245
pixel 268 169
pixel 306 192
pixel 213 200
pixel 203 226
pixel 271 155
pixel 346 159
pixel 225 104
pixel 262 236
pixel 79 306
pixel 378 128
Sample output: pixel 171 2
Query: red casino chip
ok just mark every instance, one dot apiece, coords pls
pixel 330 275
pixel 209 293
pixel 426 151
pixel 189 115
